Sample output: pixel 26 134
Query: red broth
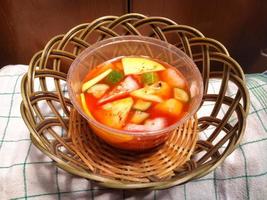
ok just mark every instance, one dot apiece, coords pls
pixel 168 103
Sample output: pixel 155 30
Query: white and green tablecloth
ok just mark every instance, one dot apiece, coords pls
pixel 26 173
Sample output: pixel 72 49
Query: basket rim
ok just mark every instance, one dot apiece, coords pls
pixel 27 110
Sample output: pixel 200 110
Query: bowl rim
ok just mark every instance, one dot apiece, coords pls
pixel 157 42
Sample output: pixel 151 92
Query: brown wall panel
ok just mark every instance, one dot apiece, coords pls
pixel 26 26
pixel 241 25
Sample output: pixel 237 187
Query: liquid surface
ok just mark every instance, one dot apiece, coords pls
pixel 135 94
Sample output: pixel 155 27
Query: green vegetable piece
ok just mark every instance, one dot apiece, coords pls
pixel 149 78
pixel 114 77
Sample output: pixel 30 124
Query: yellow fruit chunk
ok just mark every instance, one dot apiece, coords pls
pixel 162 89
pixel 138 117
pixel 132 65
pixel 170 106
pixel 146 93
pixel 84 106
pixel 115 113
pixel 98 90
pixel 181 95
pixel 95 80
pixel 142 105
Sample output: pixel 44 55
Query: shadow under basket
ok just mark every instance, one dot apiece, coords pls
pixel 193 150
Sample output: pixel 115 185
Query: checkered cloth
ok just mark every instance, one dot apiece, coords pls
pixel 26 173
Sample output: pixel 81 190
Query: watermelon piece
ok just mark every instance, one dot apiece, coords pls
pixel 173 78
pixel 135 127
pixel 155 124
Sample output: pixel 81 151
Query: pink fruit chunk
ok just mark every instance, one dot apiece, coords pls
pixel 155 124
pixel 150 125
pixel 135 127
pixel 173 78
pixel 128 85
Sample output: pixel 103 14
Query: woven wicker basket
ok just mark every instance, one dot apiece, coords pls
pixel 65 137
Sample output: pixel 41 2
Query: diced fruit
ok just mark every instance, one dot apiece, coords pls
pixel 138 117
pixel 146 93
pixel 115 113
pixel 149 78
pixel 135 127
pixel 170 106
pixel 162 89
pixel 173 78
pixel 95 80
pixel 155 124
pixel 84 106
pixel 114 77
pixel 181 95
pixel 142 105
pixel 119 106
pixel 125 87
pixel 132 65
pixel 153 92
pixel 150 125
pixel 98 90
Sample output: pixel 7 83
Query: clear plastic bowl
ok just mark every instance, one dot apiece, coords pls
pixel 133 46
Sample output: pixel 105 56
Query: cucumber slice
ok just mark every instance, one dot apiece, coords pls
pixel 146 93
pixel 141 105
pixel 114 77
pixel 181 95
pixel 98 90
pixel 138 117
pixel 149 78
pixel 95 80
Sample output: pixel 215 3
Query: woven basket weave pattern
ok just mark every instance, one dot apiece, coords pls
pixel 211 57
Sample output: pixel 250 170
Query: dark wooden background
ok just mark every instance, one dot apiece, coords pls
pixel 241 25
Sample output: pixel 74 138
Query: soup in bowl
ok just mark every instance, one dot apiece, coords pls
pixel 134 91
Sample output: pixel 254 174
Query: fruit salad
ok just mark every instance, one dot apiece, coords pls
pixel 136 94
